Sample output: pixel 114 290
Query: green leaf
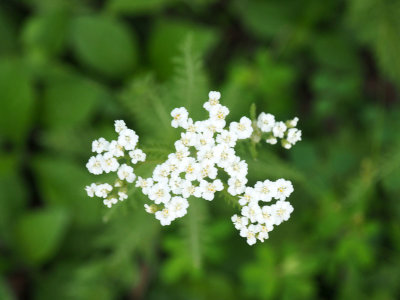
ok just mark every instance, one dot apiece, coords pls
pixel 70 100
pixel 137 6
pixel 253 274
pixel 8 32
pixel 45 34
pixel 17 99
pixel 269 79
pixel 62 183
pixel 377 23
pixel 13 197
pixel 40 233
pixel 194 225
pixel 167 38
pixel 104 45
pixel 5 291
pixel 265 18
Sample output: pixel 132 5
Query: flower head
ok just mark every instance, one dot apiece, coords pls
pixel 192 169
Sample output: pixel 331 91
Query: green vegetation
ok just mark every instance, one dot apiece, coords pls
pixel 68 69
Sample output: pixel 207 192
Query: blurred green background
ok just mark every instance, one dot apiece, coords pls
pixel 68 69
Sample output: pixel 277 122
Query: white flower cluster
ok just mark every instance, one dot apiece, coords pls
pixel 257 221
pixel 183 175
pixel 115 156
pixel 285 131
pixel 203 148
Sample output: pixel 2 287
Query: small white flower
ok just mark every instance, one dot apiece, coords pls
pixel 250 234
pixel 175 184
pixel 207 169
pixel 95 164
pixel 279 129
pixel 125 172
pixel 188 138
pixel 236 185
pixel 191 126
pixel 240 222
pixel 204 139
pixel 116 149
pixel 91 189
pixel 266 190
pixel 219 112
pixel 226 138
pixel 293 135
pixel 137 155
pixel 180 117
pixel 188 189
pixel 243 129
pixel 122 196
pixel 100 145
pixel 110 202
pixel 265 122
pixel 119 126
pixel 271 140
pixel 181 151
pixel 250 195
pixel 144 184
pixel 128 139
pixel 109 163
pixel 103 190
pixel 191 169
pixel 178 206
pixel 286 144
pixel 268 216
pixel 160 193
pixel 252 211
pixel 226 156
pixel 213 95
pixel 208 189
pixel 208 153
pixel 237 168
pixel 282 211
pixel 263 233
pixel 165 216
pixel 174 165
pixel 213 125
pixel 213 100
pixel 201 126
pixel 293 123
pixel 283 189
pixel 161 173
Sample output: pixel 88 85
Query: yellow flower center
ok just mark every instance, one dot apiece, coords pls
pixel 265 190
pixel 280 212
pixel 214 102
pixel 160 193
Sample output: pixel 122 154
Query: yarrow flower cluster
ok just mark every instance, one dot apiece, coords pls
pixel 256 221
pixel 285 131
pixel 116 156
pixel 204 148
